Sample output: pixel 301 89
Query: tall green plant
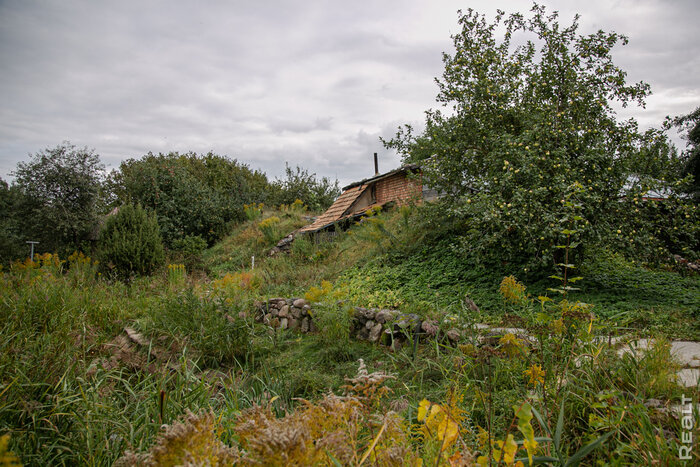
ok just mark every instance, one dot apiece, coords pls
pixel 130 242
pixel 522 123
pixel 58 199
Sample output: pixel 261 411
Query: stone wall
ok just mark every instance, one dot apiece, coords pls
pixel 370 324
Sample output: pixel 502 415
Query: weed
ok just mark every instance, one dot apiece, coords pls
pixel 269 229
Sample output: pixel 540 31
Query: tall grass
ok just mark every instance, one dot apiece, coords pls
pixel 75 388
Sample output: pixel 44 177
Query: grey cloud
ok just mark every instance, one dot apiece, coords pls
pixel 295 126
pixel 311 83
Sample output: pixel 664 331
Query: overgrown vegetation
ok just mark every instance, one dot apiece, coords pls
pixel 61 198
pixel 123 360
pixel 527 292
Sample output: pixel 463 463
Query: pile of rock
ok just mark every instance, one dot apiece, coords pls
pixel 286 313
pixel 370 324
pixel 284 245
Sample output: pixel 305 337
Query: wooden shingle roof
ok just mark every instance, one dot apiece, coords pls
pixel 337 209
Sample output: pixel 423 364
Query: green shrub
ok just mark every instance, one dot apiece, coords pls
pixel 190 194
pixel 300 185
pixel 130 242
pixel 189 250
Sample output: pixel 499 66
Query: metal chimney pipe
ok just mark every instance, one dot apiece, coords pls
pixel 376 165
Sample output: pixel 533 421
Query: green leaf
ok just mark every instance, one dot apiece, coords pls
pixel 540 420
pixel 584 451
pixel 333 459
pixel 560 427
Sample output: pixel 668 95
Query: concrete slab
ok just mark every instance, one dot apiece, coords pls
pixel 688 353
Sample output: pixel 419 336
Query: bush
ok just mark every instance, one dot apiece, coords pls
pixel 300 185
pixel 130 242
pixel 12 244
pixel 56 197
pixel 530 144
pixel 191 194
pixel 190 249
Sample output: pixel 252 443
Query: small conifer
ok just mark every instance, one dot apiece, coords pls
pixel 130 242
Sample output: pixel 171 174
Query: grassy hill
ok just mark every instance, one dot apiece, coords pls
pixel 91 368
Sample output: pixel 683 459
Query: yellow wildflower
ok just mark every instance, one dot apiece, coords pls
pixel 535 374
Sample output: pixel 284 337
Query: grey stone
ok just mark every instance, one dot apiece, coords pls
pixel 293 323
pixel 289 302
pixel 364 312
pixel 408 322
pixel 453 335
pixel 369 324
pixel 362 333
pixel 385 316
pixel 305 324
pixel 636 347
pixel 296 312
pixel 375 332
pixel 299 303
pixel 274 312
pixel 430 327
pixel 689 377
pixel 281 302
pixel 688 353
pixel 284 311
pixel 653 403
pixel 284 323
pixel 471 305
pixel 481 326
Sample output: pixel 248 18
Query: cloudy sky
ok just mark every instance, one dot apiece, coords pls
pixel 312 83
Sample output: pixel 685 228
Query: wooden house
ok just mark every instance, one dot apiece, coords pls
pixel 402 185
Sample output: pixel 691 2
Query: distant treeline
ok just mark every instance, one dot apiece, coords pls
pixel 61 196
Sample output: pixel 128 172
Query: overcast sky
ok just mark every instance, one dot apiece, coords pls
pixel 311 83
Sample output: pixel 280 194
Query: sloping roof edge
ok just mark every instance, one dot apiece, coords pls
pixel 403 168
pixel 337 210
